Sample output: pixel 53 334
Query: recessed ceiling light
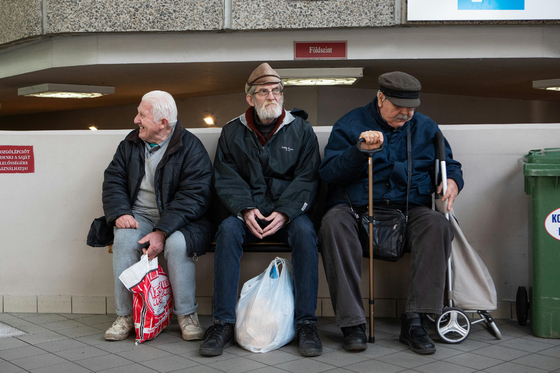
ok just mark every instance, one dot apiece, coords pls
pixel 209 118
pixel 51 90
pixel 321 76
pixel 93 128
pixel 549 84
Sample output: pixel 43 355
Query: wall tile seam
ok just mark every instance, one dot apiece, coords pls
pixel 55 32
pixel 317 27
pixel 506 304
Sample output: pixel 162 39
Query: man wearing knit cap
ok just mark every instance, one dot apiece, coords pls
pixel 386 121
pixel 266 174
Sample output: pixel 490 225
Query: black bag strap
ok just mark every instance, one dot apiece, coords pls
pixel 409 156
pixel 409 179
pixel 350 203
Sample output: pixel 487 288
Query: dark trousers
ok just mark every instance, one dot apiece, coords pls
pixel 429 237
pixel 299 234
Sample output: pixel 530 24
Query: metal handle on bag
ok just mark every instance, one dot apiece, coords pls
pixel 440 146
pixel 441 159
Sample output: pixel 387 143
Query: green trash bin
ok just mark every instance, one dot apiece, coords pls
pixel 541 170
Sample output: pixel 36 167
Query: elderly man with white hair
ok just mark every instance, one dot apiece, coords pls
pixel 156 192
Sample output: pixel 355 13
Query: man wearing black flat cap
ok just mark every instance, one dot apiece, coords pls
pixel 386 120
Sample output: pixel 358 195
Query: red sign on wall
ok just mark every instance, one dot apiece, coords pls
pixel 320 50
pixel 16 159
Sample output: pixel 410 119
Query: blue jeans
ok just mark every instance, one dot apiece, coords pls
pixel 127 251
pixel 299 234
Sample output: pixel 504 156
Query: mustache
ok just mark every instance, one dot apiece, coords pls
pixel 401 117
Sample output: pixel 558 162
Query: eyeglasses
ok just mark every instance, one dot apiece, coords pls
pixel 265 92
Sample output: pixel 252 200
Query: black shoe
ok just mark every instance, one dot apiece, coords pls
pixel 309 343
pixel 354 338
pixel 414 334
pixel 217 337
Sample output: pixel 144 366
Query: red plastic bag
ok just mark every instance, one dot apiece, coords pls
pixel 153 299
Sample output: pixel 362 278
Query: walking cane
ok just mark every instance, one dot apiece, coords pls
pixel 370 154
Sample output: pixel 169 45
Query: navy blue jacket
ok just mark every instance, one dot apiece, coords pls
pixel 344 166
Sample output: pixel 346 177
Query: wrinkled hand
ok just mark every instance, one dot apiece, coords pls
pixel 250 216
pixel 277 221
pixel 372 140
pixel 452 192
pixel 157 241
pixel 126 222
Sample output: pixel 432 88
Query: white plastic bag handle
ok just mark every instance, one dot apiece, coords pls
pixel 134 274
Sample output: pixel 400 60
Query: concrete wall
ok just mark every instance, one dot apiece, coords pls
pixel 20 19
pixel 47 267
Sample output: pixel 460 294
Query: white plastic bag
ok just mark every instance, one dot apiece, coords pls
pixel 153 299
pixel 265 310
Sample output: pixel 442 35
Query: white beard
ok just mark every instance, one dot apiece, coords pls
pixel 270 111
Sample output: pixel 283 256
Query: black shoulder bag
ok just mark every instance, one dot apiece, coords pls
pixel 388 226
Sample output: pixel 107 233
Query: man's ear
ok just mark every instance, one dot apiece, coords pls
pixel 380 98
pixel 164 123
pixel 250 100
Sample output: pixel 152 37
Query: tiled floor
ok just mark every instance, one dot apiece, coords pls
pixel 73 343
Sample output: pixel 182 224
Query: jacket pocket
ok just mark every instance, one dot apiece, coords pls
pixel 198 236
pixel 426 188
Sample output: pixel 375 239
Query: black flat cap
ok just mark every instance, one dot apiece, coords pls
pixel 400 88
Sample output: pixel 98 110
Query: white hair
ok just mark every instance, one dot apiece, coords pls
pixel 163 105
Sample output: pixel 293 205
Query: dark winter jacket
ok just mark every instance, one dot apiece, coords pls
pixel 182 184
pixel 344 166
pixel 279 176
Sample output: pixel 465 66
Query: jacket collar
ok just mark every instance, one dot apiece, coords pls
pixel 247 120
pixel 374 111
pixel 174 143
pixel 250 119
